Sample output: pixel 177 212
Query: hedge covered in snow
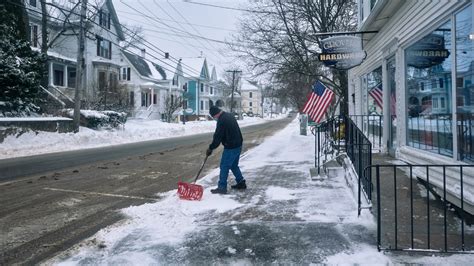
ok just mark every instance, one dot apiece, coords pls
pixel 99 119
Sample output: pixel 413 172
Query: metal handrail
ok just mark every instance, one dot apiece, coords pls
pixel 428 168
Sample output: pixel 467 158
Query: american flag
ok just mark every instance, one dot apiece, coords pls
pixel 377 94
pixel 318 101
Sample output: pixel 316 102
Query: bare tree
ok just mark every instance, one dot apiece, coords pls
pixel 172 104
pixel 282 41
pixel 134 36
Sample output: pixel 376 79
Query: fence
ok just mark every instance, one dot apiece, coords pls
pixel 359 150
pixel 329 137
pixel 410 220
pixel 372 127
pixel 342 134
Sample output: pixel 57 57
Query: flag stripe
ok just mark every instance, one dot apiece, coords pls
pixel 326 101
pixel 377 94
pixel 309 102
pixel 317 104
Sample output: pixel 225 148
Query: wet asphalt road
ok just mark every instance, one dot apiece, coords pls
pixel 50 202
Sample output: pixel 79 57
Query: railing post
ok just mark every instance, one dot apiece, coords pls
pixel 359 174
pixel 379 219
pixel 462 211
pixel 396 203
pixel 411 207
pixel 445 211
pixel 428 204
pixel 319 149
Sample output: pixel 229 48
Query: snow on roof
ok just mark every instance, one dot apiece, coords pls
pixel 146 68
pixel 247 86
pixel 56 55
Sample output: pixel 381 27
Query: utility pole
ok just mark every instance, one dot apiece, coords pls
pixel 80 66
pixel 233 88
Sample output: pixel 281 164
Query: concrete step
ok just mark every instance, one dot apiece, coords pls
pixel 333 169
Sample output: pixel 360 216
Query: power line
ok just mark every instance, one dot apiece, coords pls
pixel 118 45
pixel 156 21
pixel 196 30
pixel 153 45
pixel 227 7
pixel 181 25
pixel 187 23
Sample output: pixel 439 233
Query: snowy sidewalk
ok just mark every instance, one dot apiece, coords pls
pixel 283 217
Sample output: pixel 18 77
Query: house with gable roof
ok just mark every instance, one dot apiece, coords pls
pixel 201 85
pixel 102 51
pixel 148 85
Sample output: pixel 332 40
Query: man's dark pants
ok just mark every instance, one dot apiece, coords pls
pixel 230 161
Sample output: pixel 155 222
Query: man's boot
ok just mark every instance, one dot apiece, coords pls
pixel 218 191
pixel 240 185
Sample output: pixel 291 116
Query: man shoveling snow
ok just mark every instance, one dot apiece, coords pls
pixel 228 133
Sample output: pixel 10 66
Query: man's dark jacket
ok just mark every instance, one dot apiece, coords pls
pixel 227 132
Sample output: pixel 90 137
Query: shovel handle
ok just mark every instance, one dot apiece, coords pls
pixel 200 169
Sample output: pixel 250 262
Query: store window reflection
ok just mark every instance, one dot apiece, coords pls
pixel 429 94
pixel 374 90
pixel 465 84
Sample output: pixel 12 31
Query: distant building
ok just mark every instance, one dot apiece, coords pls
pixel 201 85
pixel 251 99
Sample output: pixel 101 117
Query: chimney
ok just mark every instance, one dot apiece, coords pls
pixel 143 53
pixel 167 55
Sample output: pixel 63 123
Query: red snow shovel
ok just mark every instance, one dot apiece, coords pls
pixel 188 191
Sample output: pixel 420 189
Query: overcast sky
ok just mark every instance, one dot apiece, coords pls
pixel 166 25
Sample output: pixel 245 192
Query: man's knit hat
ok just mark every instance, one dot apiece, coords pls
pixel 214 110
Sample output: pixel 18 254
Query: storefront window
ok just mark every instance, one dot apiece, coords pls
pixel 465 84
pixel 374 90
pixel 429 93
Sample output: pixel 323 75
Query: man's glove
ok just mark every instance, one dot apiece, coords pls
pixel 208 152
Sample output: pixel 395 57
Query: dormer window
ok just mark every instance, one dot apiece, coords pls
pixel 104 19
pixel 32 3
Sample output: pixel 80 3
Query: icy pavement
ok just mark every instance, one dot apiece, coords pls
pixel 283 218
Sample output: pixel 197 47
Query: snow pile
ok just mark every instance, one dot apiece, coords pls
pixel 134 131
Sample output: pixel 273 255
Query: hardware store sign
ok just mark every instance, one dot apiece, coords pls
pixel 342 52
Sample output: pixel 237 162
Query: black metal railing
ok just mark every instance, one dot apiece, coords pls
pixel 359 149
pixel 410 219
pixel 372 127
pixel 329 138
pixel 342 134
